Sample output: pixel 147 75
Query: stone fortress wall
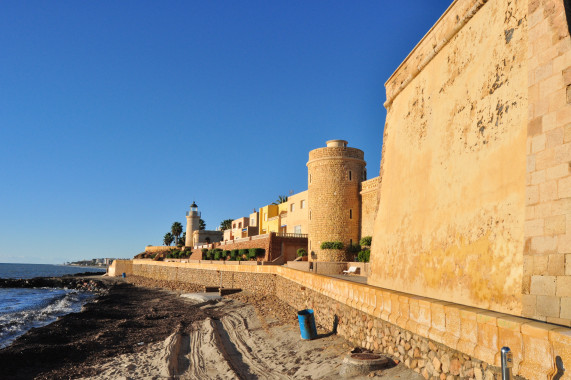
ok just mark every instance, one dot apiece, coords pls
pixel 369 205
pixel 547 232
pixel 335 173
pixel 452 199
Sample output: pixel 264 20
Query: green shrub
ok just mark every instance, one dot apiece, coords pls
pixel 252 253
pixel 210 254
pixel 332 245
pixel 301 252
pixel 242 253
pixel 366 241
pixel 364 256
pixel 233 254
pixel 227 255
pixel 204 253
pixel 217 255
pixel 153 255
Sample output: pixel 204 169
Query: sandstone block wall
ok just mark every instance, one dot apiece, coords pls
pixel 160 248
pixel 369 205
pixel 547 254
pixel 451 215
pixel 334 200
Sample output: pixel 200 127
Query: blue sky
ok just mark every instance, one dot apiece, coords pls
pixel 116 115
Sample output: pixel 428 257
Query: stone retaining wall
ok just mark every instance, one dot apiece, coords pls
pixel 437 339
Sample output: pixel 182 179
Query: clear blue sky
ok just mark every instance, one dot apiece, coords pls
pixel 116 115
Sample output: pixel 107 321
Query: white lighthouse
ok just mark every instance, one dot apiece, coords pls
pixel 192 224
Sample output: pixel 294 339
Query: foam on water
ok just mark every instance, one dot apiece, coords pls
pixel 23 309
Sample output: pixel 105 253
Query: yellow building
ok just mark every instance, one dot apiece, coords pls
pixel 266 215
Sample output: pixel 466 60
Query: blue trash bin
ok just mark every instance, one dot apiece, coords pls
pixel 124 275
pixel 307 324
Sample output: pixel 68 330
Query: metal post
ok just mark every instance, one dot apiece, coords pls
pixel 507 363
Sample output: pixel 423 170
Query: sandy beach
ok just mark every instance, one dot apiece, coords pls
pixel 142 332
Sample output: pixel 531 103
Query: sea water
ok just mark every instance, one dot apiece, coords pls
pixel 23 309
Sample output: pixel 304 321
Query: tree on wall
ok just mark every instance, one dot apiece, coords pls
pixel 168 238
pixel 182 240
pixel 176 230
pixel 226 224
pixel 201 224
pixel 281 199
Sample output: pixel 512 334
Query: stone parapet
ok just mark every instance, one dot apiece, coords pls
pixel 370 185
pixel 455 17
pixel 379 318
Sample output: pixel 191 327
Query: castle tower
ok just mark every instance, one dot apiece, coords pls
pixel 192 219
pixel 334 176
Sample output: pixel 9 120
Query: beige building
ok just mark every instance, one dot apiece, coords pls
pixel 297 214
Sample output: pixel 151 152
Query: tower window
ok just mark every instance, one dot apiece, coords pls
pixel 350 175
pixel 302 204
pixel 292 207
pixel 350 213
pixel 310 178
pixel 309 214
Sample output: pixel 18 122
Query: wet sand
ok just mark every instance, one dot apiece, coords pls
pixel 135 332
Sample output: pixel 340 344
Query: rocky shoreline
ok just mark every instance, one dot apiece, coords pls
pixel 81 281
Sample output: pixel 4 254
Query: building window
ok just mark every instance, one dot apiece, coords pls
pixel 350 175
pixel 350 213
pixel 234 225
pixel 252 222
pixel 302 204
pixel 240 225
pixel 291 207
pixel 310 178
pixel 265 217
pixel 309 214
pixel 297 229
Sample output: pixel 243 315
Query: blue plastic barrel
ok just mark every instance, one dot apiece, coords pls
pixel 307 324
pixel 124 275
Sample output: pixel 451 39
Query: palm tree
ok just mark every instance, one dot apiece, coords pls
pixel 281 199
pixel 176 230
pixel 168 238
pixel 201 224
pixel 226 224
pixel 182 240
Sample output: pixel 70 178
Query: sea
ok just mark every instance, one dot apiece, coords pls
pixel 23 309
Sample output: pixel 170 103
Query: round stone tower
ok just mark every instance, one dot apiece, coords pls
pixel 334 177
pixel 192 223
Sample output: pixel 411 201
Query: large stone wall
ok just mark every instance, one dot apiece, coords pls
pixel 430 336
pixel 547 253
pixel 369 205
pixel 451 215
